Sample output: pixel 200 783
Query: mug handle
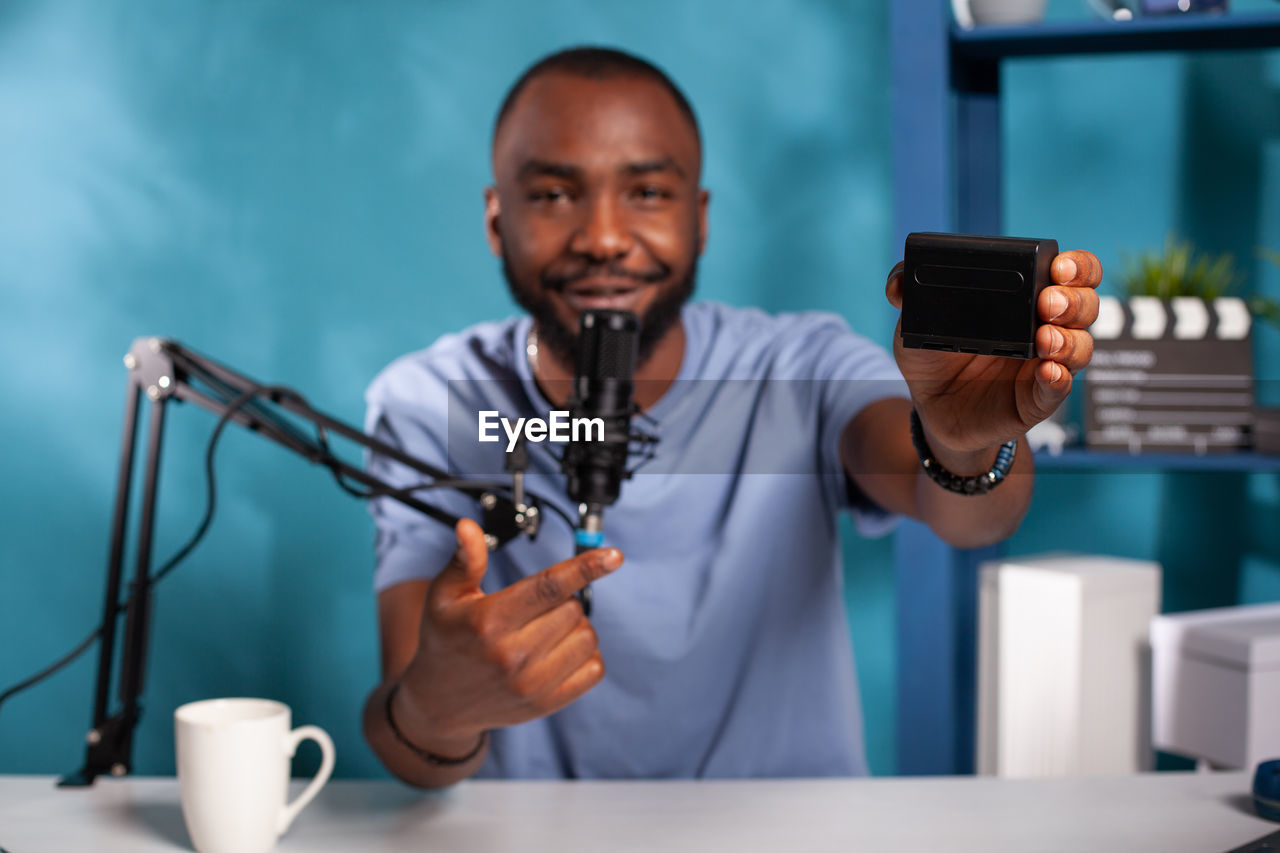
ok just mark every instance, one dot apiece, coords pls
pixel 295 737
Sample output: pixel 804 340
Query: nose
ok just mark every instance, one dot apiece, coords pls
pixel 603 235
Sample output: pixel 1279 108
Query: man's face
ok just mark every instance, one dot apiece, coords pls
pixel 596 204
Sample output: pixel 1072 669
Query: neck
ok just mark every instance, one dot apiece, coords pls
pixel 554 376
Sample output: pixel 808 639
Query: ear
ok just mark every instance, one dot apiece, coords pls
pixel 704 199
pixel 491 231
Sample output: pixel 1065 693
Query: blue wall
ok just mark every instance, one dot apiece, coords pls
pixel 295 188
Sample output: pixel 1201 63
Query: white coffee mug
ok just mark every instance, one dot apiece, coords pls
pixel 233 772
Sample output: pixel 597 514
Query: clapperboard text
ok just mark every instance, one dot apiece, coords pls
pixel 1172 375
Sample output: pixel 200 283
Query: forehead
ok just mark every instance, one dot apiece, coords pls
pixel 594 123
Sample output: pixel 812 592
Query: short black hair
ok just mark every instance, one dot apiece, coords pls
pixel 596 63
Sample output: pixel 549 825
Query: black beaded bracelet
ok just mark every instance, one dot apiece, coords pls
pixel 429 757
pixel 977 484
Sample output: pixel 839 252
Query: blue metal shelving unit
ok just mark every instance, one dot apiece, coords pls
pixel 1171 32
pixel 1079 459
pixel 947 174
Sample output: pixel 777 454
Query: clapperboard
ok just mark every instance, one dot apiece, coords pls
pixel 1170 376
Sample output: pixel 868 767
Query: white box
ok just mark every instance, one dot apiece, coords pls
pixel 1217 684
pixel 1063 665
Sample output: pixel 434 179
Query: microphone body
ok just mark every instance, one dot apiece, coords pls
pixel 603 384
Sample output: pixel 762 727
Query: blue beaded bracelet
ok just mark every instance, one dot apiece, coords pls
pixel 977 484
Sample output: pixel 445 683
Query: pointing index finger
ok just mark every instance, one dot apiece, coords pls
pixel 531 597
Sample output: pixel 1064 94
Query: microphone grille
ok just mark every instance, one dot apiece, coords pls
pixel 607 344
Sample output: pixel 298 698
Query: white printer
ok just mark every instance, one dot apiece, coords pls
pixel 1216 684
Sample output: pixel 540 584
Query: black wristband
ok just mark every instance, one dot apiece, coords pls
pixel 429 757
pixel 977 484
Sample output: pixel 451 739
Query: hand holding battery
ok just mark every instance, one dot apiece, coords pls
pixel 975 384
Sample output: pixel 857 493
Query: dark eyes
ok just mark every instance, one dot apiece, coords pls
pixel 550 195
pixel 651 193
pixel 645 194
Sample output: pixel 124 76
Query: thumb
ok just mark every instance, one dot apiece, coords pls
pixel 467 566
pixel 893 287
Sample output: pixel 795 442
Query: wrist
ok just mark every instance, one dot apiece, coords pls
pixel 966 472
pixel 965 461
pixel 422 733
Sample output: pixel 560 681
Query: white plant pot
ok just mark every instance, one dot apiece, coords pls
pixel 971 12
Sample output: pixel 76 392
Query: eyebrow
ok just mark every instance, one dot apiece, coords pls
pixel 548 168
pixel 662 164
pixel 535 168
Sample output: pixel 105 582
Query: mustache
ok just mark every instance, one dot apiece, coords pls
pixel 561 280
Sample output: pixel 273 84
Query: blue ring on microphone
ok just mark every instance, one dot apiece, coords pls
pixel 588 538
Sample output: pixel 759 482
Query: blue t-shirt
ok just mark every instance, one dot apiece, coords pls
pixel 724 636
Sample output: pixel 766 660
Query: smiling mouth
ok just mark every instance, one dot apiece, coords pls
pixel 617 295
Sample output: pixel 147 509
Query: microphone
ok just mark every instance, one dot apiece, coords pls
pixel 603 381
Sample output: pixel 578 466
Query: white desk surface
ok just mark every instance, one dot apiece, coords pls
pixel 1167 812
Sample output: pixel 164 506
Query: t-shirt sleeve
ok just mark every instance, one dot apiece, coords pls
pixel 410 545
pixel 853 372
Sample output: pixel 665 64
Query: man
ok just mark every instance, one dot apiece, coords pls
pixel 725 633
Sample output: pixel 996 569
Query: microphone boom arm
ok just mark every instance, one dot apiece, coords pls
pixel 164 370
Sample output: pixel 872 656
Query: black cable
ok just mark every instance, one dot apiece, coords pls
pixel 211 486
pixel 468 486
pixel 52 668
pixel 170 564
pixel 327 458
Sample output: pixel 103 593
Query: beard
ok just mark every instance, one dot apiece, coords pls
pixel 563 340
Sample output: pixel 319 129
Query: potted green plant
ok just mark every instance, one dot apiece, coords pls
pixel 1266 425
pixel 1173 361
pixel 1262 307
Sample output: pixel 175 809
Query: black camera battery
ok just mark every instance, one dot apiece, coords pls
pixel 973 294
